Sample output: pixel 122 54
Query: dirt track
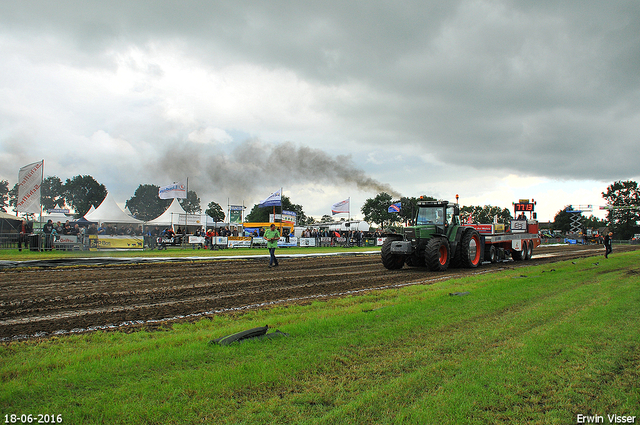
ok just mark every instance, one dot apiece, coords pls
pixel 56 301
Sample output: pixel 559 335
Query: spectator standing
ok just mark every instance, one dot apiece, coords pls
pixel 607 244
pixel 47 229
pixel 272 236
pixel 24 235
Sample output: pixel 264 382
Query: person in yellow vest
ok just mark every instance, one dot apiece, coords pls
pixel 272 236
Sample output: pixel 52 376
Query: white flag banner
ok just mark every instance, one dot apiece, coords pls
pixel 275 199
pixel 340 207
pixel 29 185
pixel 175 190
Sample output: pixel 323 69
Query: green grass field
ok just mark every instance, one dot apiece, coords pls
pixel 534 345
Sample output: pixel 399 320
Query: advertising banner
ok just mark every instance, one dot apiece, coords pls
pixel 115 242
pixel 289 216
pixel 190 220
pixel 196 240
pixel 239 242
pixel 29 185
pixel 307 241
pixel 283 243
pixel 235 214
pixel 258 242
pixel 71 239
pixel 286 216
pixel 220 241
pixel 175 190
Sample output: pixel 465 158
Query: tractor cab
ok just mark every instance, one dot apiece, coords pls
pixel 440 214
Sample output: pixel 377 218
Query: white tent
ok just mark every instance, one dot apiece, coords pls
pixel 170 216
pixel 57 217
pixel 109 212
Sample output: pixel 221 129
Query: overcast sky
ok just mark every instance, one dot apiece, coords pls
pixel 492 100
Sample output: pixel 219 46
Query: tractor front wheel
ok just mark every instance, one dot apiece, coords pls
pixel 437 254
pixel 389 260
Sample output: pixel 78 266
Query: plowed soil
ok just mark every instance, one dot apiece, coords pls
pixel 37 303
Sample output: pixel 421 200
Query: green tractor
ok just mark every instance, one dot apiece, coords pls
pixel 438 240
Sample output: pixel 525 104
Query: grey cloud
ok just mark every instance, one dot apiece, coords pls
pixel 254 166
pixel 547 88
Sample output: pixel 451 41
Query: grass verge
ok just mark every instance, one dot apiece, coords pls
pixel 534 345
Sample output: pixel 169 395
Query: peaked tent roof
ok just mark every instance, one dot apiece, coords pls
pixel 109 212
pixel 164 219
pixel 55 217
pixel 7 216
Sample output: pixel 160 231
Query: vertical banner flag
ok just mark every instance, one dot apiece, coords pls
pixel 29 184
pixel 235 214
pixel 340 207
pixel 176 190
pixel 273 200
pixel 394 208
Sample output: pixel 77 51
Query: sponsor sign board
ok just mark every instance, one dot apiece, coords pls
pixel 307 241
pixel 115 242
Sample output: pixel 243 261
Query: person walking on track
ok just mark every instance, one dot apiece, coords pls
pixel 607 244
pixel 272 236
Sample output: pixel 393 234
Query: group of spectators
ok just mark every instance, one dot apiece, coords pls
pixel 158 236
pixel 114 229
pixel 351 237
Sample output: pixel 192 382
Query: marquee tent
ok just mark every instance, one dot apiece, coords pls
pixel 170 216
pixel 109 212
pixel 9 223
pixel 57 217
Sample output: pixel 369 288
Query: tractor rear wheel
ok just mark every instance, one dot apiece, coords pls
pixel 389 260
pixel 437 254
pixel 470 249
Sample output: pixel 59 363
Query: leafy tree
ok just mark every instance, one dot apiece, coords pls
pixel 52 193
pixel 301 217
pixel 376 210
pixel 4 195
pixel 81 192
pixel 145 204
pixel 215 211
pixel 593 222
pixel 409 208
pixel 562 220
pixel 259 214
pixel 326 219
pixel 191 204
pixel 13 196
pixel 486 214
pixel 623 199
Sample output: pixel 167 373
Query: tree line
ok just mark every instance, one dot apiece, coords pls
pixel 83 191
pixel 622 197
